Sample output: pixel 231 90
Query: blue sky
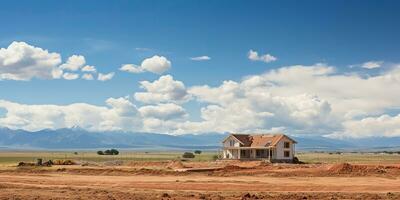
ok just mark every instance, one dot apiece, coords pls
pixel 111 33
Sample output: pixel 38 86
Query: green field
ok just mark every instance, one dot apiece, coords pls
pixel 360 158
pixel 13 157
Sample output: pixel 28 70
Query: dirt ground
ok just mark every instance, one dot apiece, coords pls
pixel 202 180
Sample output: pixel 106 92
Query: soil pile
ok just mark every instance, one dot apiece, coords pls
pixel 175 164
pixel 346 168
pixel 341 168
pixel 63 162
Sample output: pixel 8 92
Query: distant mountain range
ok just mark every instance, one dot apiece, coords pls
pixel 77 138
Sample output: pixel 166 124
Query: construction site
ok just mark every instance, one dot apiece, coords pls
pixel 176 179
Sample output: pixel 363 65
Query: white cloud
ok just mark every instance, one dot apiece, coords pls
pixel 163 111
pixel 57 73
pixel 372 64
pixel 238 107
pixel 298 99
pixel 131 68
pixel 165 89
pixel 70 76
pixel 21 61
pixel 253 55
pixel 301 99
pixel 105 77
pixel 122 106
pixel 200 58
pixel 89 68
pixel 74 63
pixel 118 115
pixel 383 125
pixel 88 77
pixel 156 64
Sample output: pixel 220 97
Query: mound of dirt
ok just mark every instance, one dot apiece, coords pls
pixel 64 162
pixel 346 168
pixel 341 168
pixel 151 164
pixel 175 164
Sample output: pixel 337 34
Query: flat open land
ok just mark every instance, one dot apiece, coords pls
pixel 324 178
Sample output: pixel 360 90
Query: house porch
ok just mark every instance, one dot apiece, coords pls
pixel 249 153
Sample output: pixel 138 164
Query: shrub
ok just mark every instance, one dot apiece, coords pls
pixel 108 152
pixel 197 152
pixel 188 155
pixel 114 152
pixel 215 157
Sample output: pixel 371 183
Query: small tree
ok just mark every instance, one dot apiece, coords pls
pixel 100 153
pixel 188 155
pixel 197 152
pixel 114 152
pixel 107 152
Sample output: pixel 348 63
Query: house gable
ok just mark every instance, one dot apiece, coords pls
pixel 231 141
pixel 280 137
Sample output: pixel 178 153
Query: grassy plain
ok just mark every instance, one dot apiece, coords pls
pixel 353 158
pixel 13 157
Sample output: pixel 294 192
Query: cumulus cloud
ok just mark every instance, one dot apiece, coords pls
pixel 372 64
pixel 299 99
pixel 239 107
pixel 89 68
pixel 73 63
pixel 131 68
pixel 165 89
pixel 200 58
pixel 70 76
pixel 105 77
pixel 253 55
pixel 21 61
pixel 156 64
pixel 163 111
pixel 383 125
pixel 88 77
pixel 117 115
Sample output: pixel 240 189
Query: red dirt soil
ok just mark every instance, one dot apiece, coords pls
pixel 224 180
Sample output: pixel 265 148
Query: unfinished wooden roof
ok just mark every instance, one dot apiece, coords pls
pixel 260 140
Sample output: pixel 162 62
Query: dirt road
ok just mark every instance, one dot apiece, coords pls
pixel 70 186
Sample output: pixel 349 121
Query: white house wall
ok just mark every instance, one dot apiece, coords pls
pixel 280 149
pixel 227 142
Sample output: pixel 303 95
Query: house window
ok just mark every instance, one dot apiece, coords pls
pixel 261 153
pixel 286 154
pixel 286 145
pixel 232 143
